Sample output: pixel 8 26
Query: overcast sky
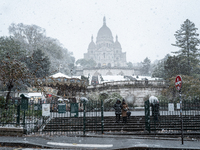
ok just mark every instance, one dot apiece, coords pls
pixel 145 28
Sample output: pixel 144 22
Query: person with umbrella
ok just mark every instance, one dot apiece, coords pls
pixel 118 106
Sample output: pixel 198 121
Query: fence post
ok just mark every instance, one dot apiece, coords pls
pixel 181 111
pixel 84 111
pixel 102 118
pixel 24 124
pixel 147 116
pixel 18 114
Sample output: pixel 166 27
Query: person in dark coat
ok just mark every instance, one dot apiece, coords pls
pixel 155 110
pixel 128 114
pixel 124 111
pixel 118 106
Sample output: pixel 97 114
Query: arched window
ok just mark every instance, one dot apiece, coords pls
pixel 109 65
pixel 99 65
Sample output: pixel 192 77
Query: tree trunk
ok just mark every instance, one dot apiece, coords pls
pixel 8 95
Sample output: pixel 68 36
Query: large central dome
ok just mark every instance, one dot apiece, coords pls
pixel 104 33
pixel 105 51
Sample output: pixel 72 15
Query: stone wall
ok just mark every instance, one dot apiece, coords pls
pixel 9 131
pixel 132 91
pixel 108 71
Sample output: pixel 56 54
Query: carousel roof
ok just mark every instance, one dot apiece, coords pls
pixel 59 74
pixel 60 79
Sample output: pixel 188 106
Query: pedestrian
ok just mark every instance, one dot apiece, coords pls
pixel 124 111
pixel 155 110
pixel 155 107
pixel 118 106
pixel 128 114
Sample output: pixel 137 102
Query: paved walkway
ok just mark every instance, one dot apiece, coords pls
pixel 93 141
pixel 133 113
pixel 99 142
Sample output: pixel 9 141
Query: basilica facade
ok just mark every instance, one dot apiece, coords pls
pixel 105 51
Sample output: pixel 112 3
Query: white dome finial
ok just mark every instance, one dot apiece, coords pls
pixel 91 38
pixel 104 20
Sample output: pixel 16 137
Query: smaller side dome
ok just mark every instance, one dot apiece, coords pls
pixel 117 44
pixel 92 44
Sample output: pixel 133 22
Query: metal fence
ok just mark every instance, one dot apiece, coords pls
pixel 64 118
pixel 165 117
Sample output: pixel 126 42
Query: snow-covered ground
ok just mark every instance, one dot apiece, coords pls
pixel 109 78
pixel 113 78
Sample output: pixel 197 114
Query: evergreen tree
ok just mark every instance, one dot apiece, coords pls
pixel 175 65
pixel 187 41
pixel 130 65
pixel 159 68
pixel 86 63
pixel 146 64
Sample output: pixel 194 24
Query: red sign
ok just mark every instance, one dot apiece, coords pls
pixel 178 82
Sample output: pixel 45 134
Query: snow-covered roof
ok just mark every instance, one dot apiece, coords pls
pixel 110 78
pixel 146 77
pixel 34 94
pixel 29 95
pixel 79 77
pixel 59 74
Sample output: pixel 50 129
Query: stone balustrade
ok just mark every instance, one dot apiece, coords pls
pixel 133 91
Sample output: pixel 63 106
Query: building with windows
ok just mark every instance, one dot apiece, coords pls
pixel 108 54
pixel 105 51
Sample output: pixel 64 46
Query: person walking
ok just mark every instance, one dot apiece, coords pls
pixel 155 110
pixel 124 111
pixel 118 106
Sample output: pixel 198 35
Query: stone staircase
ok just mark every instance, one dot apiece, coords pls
pixel 66 124
pixel 168 126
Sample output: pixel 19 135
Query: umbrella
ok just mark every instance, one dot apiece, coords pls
pixel 66 100
pixel 153 99
pixel 83 99
pixel 60 99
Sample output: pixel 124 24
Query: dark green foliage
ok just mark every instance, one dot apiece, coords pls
pixel 14 72
pixel 175 65
pixel 31 112
pixel 38 63
pixel 146 66
pixel 111 100
pixel 190 89
pixel 7 111
pixel 186 60
pixel 32 37
pixel 2 102
pixel 130 65
pixel 159 68
pixel 10 49
pixel 86 63
pixel 187 41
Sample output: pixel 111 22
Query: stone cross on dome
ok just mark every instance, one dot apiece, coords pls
pixel 91 38
pixel 104 20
